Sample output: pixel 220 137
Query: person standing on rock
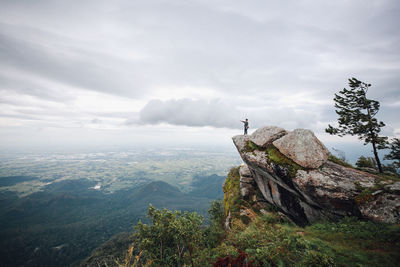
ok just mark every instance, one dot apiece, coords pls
pixel 246 125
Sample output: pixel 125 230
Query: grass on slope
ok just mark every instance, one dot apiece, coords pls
pixel 357 243
pixel 270 241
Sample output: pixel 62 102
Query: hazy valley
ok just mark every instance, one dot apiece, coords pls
pixel 56 208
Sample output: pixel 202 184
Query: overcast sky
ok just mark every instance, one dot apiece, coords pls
pixel 156 72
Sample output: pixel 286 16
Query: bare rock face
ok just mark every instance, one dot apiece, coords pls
pixel 266 135
pixel 334 188
pixel 303 147
pixel 246 182
pixel 395 187
pixel 240 141
pixel 249 190
pixel 244 171
pixel 385 207
pixel 295 176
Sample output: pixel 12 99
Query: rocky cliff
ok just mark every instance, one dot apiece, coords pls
pixel 296 174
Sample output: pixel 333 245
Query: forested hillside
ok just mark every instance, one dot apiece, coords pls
pixel 62 224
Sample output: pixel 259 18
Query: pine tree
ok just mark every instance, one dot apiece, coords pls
pixel 357 117
pixel 394 151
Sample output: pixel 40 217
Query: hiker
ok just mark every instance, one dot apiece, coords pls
pixel 246 125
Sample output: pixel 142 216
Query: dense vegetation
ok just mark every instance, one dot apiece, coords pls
pixel 69 220
pixel 61 225
pixel 12 180
pixel 262 239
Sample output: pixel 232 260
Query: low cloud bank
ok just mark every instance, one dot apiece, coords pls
pixel 220 114
pixel 190 112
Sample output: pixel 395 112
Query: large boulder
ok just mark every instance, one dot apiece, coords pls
pixel 266 135
pixel 295 175
pixel 303 147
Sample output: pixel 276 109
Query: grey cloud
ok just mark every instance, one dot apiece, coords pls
pixel 96 121
pixel 19 85
pixel 220 114
pixel 228 45
pixel 114 114
pixel 20 116
pixel 189 112
pixel 249 55
pixel 69 67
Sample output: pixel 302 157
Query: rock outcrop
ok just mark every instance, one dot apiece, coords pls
pixel 293 173
pixel 303 147
pixel 266 135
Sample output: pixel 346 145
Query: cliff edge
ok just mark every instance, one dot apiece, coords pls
pixel 295 173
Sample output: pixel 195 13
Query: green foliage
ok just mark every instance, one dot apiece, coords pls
pixel 109 252
pixel 365 194
pixel 357 116
pixel 171 239
pixel 215 232
pixel 250 146
pixel 277 157
pixel 357 243
pixel 269 242
pixel 315 258
pixel 232 197
pixel 368 162
pixel 63 224
pixel 352 227
pixel 339 161
pixel 394 152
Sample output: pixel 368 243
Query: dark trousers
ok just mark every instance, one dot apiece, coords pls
pixel 245 130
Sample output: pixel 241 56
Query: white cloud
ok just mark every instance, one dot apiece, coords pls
pixel 190 112
pixel 192 63
pixel 221 114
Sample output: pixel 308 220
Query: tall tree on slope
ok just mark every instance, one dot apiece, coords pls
pixel 357 117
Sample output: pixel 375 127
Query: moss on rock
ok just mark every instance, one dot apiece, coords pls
pixel 278 158
pixel 251 147
pixel 232 191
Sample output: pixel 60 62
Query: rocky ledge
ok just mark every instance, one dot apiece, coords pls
pixel 294 173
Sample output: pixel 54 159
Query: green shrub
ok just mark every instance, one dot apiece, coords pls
pixel 172 238
pixel 317 259
pixel 368 162
pixel 352 227
pixel 215 232
pixel 339 161
pixel 176 239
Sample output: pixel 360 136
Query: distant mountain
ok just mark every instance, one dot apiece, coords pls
pixel 208 186
pixel 61 225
